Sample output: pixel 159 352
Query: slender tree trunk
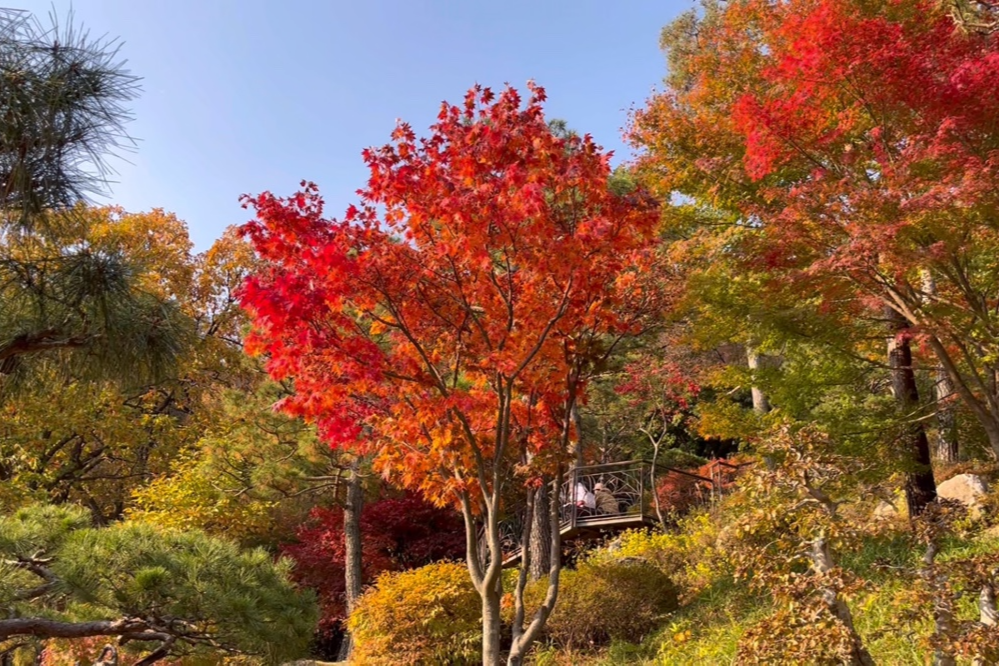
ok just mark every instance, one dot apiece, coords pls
pixel 984 407
pixel 491 649
pixel 540 541
pixel 947 448
pixel 988 614
pixel 822 563
pixel 577 422
pixel 524 637
pixel 945 445
pixel 920 487
pixel 656 443
pixel 352 548
pixel 761 405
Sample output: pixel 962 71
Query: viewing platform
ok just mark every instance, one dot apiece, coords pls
pixel 598 500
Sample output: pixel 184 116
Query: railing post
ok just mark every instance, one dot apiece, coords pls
pixel 575 500
pixel 641 488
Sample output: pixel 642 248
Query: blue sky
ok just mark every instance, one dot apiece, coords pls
pixel 240 97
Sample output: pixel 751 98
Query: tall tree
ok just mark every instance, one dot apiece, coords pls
pixel 455 316
pixel 852 144
pixel 63 100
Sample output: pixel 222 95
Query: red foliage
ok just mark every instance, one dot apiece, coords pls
pixel 449 315
pixel 857 144
pixel 397 533
pixel 455 316
pixel 679 493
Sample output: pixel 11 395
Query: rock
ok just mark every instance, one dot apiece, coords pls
pixel 968 489
pixel 886 510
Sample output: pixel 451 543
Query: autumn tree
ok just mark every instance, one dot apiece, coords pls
pixel 246 473
pixel 449 323
pixel 788 538
pixel 868 129
pixel 848 145
pixel 82 429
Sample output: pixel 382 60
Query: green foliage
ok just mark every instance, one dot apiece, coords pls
pixel 39 529
pixel 63 103
pixel 207 592
pixel 253 475
pixel 429 615
pixel 74 295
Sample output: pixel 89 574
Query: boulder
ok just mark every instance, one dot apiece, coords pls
pixel 968 489
pixel 886 510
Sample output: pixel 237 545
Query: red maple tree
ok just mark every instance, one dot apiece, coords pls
pixel 398 533
pixel 448 324
pixel 857 143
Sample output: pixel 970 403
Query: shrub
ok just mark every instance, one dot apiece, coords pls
pixel 429 615
pixel 604 600
pixel 692 556
pixel 204 596
pixel 397 533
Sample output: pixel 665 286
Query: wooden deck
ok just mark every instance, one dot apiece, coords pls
pixel 589 528
pixel 639 490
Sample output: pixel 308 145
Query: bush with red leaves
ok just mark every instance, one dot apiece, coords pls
pixel 396 533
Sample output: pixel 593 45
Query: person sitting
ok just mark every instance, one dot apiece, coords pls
pixel 583 499
pixel 605 501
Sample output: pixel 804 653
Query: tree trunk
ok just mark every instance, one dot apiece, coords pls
pixel 945 444
pixel 761 405
pixel 822 563
pixel 920 488
pixel 523 638
pixel 491 649
pixel 984 407
pixel 577 422
pixel 352 548
pixel 943 605
pixel 541 534
pixel 988 614
pixel 947 449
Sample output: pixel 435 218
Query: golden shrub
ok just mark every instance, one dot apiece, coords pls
pixel 430 615
pixel 603 600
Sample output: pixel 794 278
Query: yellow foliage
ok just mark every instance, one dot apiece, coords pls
pixel 188 499
pixel 692 556
pixel 429 615
pixel 602 600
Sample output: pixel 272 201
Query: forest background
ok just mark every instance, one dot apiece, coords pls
pixel 796 273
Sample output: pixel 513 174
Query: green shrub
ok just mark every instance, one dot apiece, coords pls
pixel 241 602
pixel 604 600
pixel 679 459
pixel 430 615
pixel 693 555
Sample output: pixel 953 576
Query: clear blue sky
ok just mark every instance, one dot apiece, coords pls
pixel 251 95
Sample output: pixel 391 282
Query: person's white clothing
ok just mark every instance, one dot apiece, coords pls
pixel 583 497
